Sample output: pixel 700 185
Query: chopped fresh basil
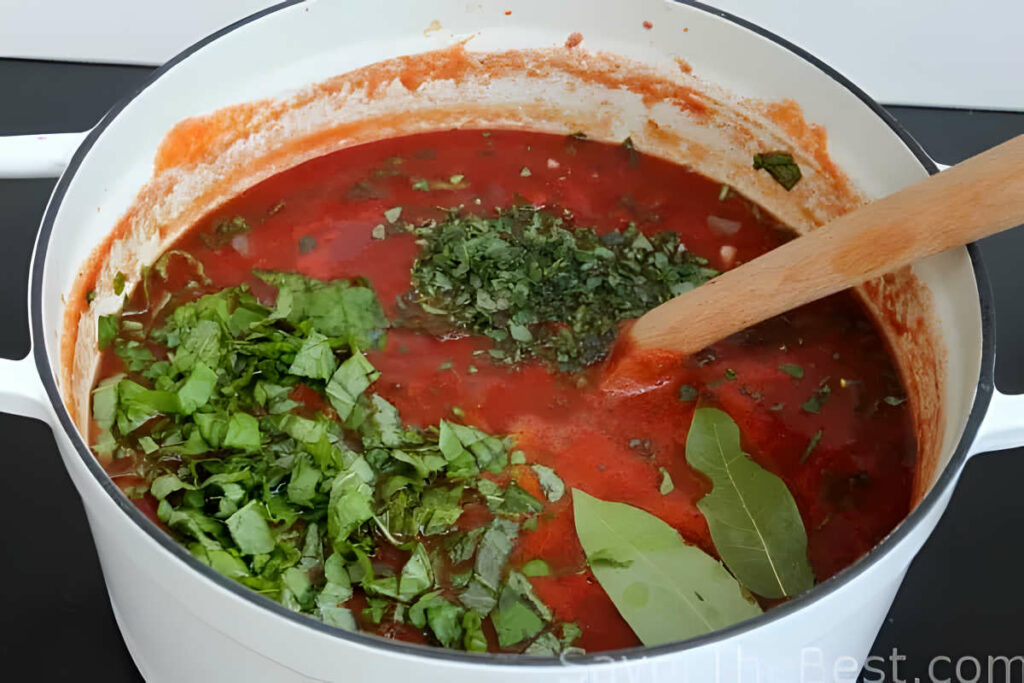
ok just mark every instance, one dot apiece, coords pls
pixel 550 483
pixel 780 165
pixel 535 567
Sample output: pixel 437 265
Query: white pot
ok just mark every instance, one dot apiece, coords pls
pixel 182 621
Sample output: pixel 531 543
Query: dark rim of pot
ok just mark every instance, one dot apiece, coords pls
pixel 818 592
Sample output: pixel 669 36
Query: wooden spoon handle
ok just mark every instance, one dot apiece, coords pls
pixel 976 198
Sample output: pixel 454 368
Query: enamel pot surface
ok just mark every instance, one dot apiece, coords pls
pixel 180 619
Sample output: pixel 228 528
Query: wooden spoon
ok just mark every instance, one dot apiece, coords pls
pixel 976 198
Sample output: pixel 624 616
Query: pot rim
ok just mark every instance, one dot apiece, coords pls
pixel 820 591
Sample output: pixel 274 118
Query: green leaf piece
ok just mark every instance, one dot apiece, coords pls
pixel 347 384
pixel 665 589
pixel 780 165
pixel 753 518
pixel 793 370
pixel 550 483
pixel 107 328
pixel 510 275
pixel 315 358
pixel 249 530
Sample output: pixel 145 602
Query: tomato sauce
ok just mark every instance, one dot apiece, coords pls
pixel 613 428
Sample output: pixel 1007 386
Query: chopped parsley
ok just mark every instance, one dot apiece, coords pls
pixel 818 399
pixel 542 288
pixel 793 370
pixel 811 445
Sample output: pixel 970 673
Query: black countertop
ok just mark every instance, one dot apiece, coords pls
pixel 961 597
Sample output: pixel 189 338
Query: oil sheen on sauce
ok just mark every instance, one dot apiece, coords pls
pixel 594 428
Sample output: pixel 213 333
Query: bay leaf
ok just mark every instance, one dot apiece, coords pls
pixel 753 518
pixel 665 589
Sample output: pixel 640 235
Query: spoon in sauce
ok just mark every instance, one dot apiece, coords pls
pixel 976 198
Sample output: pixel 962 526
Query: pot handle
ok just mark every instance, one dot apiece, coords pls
pixel 21 391
pixel 31 156
pixel 37 156
pixel 1003 426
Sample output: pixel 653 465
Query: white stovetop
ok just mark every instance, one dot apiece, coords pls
pixel 959 53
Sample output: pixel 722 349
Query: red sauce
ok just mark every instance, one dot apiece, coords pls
pixel 597 429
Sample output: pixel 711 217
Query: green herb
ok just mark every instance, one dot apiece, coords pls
pixel 516 618
pixel 895 400
pixel 665 589
pixel 134 354
pixel 634 156
pixel 119 281
pixel 314 358
pixel 818 399
pixel 224 231
pixel 811 445
pixel 667 486
pixel 541 288
pixel 550 483
pixel 481 595
pixel 753 519
pixel 107 328
pixel 393 214
pixel 455 182
pixel 730 375
pixel 525 172
pixel 249 530
pixel 164 261
pixel 261 493
pixel 90 296
pixel 781 167
pixel 723 192
pixel 347 384
pixel 338 309
pixel 536 567
pixel 688 392
pixel 793 370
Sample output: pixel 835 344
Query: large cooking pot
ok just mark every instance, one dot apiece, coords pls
pixel 183 621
